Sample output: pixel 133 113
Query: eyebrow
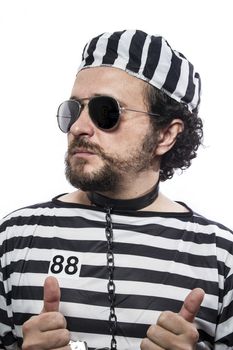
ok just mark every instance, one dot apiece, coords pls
pixel 84 98
pixel 121 103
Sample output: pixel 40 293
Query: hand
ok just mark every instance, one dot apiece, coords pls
pixel 48 329
pixel 176 330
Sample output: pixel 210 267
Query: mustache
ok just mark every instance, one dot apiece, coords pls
pixel 84 143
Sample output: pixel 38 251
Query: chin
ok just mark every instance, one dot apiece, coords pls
pixel 103 180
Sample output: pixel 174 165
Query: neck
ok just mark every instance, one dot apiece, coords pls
pixel 133 186
pixel 131 203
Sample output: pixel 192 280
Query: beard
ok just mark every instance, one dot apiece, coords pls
pixel 114 168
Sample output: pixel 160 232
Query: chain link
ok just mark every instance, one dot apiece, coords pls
pixel 111 285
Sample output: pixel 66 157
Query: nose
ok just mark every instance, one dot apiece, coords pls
pixel 83 125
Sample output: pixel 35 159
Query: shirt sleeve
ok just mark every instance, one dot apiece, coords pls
pixel 8 340
pixel 224 330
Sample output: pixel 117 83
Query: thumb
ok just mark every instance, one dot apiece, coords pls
pixel 52 295
pixel 192 304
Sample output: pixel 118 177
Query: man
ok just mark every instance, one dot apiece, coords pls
pixel 116 264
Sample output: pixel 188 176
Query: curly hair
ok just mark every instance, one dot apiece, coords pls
pixel 187 142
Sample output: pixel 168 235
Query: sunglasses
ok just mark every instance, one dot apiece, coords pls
pixel 104 112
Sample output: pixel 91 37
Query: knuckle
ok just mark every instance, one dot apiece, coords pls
pixel 29 324
pixel 183 347
pixel 193 334
pixel 144 344
pixel 164 316
pixel 61 338
pixel 27 345
pixel 150 331
pixel 189 339
pixel 26 327
pixel 59 320
pixel 66 335
pixel 53 317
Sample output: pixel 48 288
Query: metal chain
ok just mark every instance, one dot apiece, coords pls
pixel 111 285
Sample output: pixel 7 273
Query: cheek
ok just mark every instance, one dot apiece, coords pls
pixel 133 133
pixel 70 138
pixel 134 124
pixel 119 145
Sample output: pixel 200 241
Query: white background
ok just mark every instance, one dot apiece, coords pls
pixel 40 50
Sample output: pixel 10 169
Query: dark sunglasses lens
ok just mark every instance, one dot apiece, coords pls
pixel 104 112
pixel 67 114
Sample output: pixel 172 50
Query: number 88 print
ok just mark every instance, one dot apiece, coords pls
pixel 65 264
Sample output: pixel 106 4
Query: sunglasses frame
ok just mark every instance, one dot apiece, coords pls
pixel 90 100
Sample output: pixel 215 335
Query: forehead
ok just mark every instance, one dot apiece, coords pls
pixel 108 81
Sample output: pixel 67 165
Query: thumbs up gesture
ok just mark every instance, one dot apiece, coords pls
pixel 176 330
pixel 48 329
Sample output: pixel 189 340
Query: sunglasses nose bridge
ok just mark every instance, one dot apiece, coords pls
pixel 82 123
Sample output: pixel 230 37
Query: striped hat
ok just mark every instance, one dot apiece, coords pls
pixel 149 58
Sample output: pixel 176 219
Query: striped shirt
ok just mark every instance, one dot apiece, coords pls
pixel 159 257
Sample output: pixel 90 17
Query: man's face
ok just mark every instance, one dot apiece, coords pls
pixel 100 160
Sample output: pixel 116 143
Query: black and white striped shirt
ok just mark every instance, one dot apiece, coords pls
pixel 159 258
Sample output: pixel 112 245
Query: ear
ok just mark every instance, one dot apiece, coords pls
pixel 168 135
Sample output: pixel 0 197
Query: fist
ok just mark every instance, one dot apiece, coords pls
pixel 48 329
pixel 176 330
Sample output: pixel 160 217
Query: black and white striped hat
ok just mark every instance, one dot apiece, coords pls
pixel 149 58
